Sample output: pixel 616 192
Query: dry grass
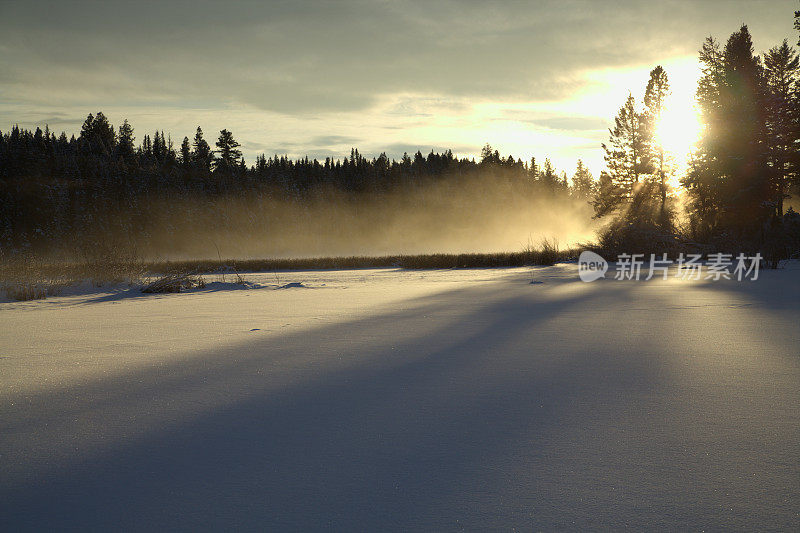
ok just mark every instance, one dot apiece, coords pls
pixel 174 283
pixel 28 278
pixel 104 264
pixel 546 255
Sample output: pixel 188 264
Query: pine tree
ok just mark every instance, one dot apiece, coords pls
pixel 625 155
pixel 186 153
pixel 228 152
pixel 701 181
pixel 201 152
pixel 583 185
pixel 746 189
pixel 607 196
pixel 147 147
pixel 158 146
pixel 729 180
pixel 489 156
pixel 548 175
pixel 655 97
pixel 781 68
pixel 98 134
pixel 797 24
pixel 87 129
pixel 125 147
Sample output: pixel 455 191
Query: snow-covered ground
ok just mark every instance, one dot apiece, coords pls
pixel 373 400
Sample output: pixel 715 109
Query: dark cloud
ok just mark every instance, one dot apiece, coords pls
pixel 256 147
pixel 59 121
pixel 329 140
pixel 306 57
pixel 425 106
pixel 571 123
pixel 290 149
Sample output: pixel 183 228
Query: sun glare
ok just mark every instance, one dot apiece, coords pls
pixel 678 130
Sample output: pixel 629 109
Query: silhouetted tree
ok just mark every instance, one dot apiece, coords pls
pixel 98 134
pixel 797 24
pixel 186 153
pixel 548 176
pixel 583 185
pixel 701 182
pixel 781 67
pixel 228 152
pixel 159 146
pixel 125 147
pixel 202 156
pixel 655 97
pixel 489 156
pixel 730 176
pixel 625 156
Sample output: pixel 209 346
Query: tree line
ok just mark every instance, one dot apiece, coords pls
pixel 60 190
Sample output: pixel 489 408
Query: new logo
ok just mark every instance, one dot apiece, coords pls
pixel 591 266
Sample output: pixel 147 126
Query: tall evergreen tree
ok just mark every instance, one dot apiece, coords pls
pixel 607 195
pixel 655 97
pixel 201 152
pixel 228 152
pixel 746 187
pixel 797 24
pixel 87 129
pixel 730 177
pixel 625 156
pixel 98 134
pixel 583 185
pixel 147 147
pixel 159 147
pixel 548 175
pixel 489 156
pixel 701 181
pixel 781 68
pixel 125 147
pixel 186 153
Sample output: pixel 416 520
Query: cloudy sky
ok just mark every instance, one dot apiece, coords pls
pixel 300 77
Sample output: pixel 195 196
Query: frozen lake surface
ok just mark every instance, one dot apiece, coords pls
pixel 373 400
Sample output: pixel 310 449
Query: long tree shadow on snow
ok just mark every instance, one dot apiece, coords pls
pixel 774 290
pixel 388 438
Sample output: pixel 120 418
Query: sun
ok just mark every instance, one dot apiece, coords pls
pixel 679 127
pixel 678 130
